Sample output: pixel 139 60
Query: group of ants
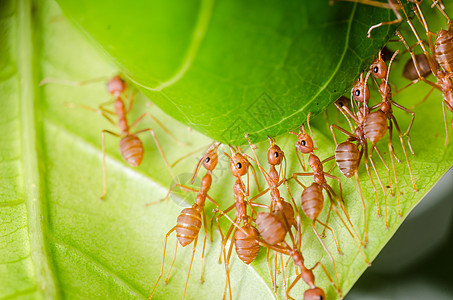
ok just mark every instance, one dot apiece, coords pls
pixel 278 227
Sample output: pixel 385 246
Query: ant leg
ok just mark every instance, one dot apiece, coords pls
pixel 292 285
pixel 302 162
pixel 424 99
pixel 387 167
pixel 404 149
pixel 227 263
pixel 265 174
pixel 190 266
pixel 204 243
pixel 221 214
pixel 331 192
pixel 104 191
pixel 274 285
pixel 163 259
pixel 331 231
pixel 283 270
pixel 72 82
pixel 172 263
pixel 225 239
pixel 365 223
pixel 217 208
pixel 259 195
pixel 169 192
pixel 441 8
pixel 410 125
pixel 100 111
pixel 397 20
pixel 379 177
pixel 391 150
pixel 372 183
pixel 196 151
pixel 131 101
pixel 323 234
pixel 335 286
pixel 301 174
pixel 159 148
pixel 445 121
pixel 347 228
pixel 161 126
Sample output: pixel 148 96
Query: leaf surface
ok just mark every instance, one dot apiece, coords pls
pixel 59 241
pixel 229 67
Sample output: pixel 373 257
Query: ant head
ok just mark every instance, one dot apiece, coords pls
pixel 360 91
pixel 304 142
pixel 378 67
pixel 275 155
pixel 239 165
pixel 210 159
pixel 314 294
pixel 116 85
pixel 342 101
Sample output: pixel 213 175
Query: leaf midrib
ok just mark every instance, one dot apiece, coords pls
pixel 33 186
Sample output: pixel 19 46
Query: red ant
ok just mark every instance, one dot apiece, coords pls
pixel 281 213
pixel 306 145
pixel 131 147
pixel 189 220
pixel 373 126
pixel 348 155
pixel 441 54
pixel 246 248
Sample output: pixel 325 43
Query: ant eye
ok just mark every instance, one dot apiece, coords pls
pixel 376 69
pixel 340 104
pixel 238 165
pixel 303 143
pixel 207 159
pixel 357 92
pixel 275 154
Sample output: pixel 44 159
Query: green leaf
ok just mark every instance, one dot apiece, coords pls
pixel 57 240
pixel 229 67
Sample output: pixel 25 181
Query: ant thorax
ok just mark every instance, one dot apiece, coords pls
pixel 315 163
pixel 362 112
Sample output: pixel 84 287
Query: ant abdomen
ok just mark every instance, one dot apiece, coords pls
pixel 271 228
pixel 312 201
pixel 347 156
pixel 288 212
pixel 375 126
pixel 444 50
pixel 247 246
pixel 314 294
pixel 189 225
pixel 409 71
pixel 132 150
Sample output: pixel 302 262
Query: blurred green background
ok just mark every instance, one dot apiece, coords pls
pixel 417 262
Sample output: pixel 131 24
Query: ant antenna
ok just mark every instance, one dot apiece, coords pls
pixel 311 133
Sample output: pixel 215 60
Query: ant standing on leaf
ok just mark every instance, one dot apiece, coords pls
pixel 440 59
pixel 131 147
pixel 190 219
pixel 244 239
pixel 310 197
